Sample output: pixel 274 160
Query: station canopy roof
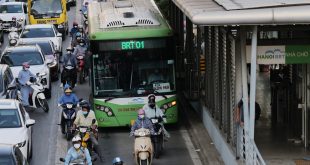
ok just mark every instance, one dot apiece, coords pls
pixel 246 12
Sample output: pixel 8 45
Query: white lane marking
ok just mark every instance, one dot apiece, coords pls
pixel 190 147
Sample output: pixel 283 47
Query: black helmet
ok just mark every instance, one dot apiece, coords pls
pixel 85 104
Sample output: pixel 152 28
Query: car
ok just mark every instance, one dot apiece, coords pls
pixel 15 56
pixel 12 155
pixel 15 126
pixel 6 81
pixel 43 31
pixel 51 55
pixel 8 10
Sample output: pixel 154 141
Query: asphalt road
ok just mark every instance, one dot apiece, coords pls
pixel 49 144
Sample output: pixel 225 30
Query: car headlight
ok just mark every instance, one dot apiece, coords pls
pixel 21 144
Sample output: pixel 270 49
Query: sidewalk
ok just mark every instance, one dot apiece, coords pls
pixel 202 142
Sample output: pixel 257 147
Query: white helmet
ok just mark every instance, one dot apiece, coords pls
pixel 76 139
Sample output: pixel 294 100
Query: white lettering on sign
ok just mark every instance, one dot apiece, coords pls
pixel 161 87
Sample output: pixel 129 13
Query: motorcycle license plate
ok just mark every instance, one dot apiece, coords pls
pixel 154 120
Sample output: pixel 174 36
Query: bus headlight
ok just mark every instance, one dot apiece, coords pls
pixel 168 105
pixel 105 109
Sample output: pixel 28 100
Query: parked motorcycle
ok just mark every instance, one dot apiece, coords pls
pixel 158 137
pixel 81 64
pixel 69 76
pixel 13 36
pixel 68 117
pixel 37 98
pixel 143 149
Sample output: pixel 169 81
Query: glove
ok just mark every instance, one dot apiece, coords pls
pixel 28 83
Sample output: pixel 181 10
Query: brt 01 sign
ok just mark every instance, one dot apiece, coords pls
pixel 281 54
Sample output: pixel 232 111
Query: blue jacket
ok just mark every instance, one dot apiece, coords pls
pixel 72 59
pixel 78 156
pixel 24 76
pixel 142 123
pixel 73 31
pixel 67 99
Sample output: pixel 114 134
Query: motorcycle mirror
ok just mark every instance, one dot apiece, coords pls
pixel 62 159
pixel 93 121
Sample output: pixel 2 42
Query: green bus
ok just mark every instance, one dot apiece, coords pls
pixel 133 56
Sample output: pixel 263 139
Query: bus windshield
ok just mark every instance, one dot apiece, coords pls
pixel 134 73
pixel 46 8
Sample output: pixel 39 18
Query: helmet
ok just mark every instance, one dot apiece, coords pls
pixel 78 34
pixel 76 139
pixel 80 26
pixel 67 88
pixel 117 161
pixel 75 23
pixel 141 112
pixel 151 98
pixel 26 65
pixel 84 104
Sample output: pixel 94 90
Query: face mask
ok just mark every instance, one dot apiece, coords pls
pixel 75 26
pixel 81 44
pixel 26 68
pixel 152 105
pixel 84 112
pixel 76 146
pixel 141 116
pixel 68 52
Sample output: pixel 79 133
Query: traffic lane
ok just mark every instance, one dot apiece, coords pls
pixel 46 129
pixel 115 142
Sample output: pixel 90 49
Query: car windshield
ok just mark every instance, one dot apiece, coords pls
pixel 11 9
pixel 37 33
pixel 7 160
pixel 9 118
pixel 18 58
pixel 46 48
pixel 46 7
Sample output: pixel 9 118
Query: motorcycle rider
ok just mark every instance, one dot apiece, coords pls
pixel 67 97
pixel 142 122
pixel 74 29
pixel 117 161
pixel 69 60
pixel 15 23
pixel 24 80
pixel 152 110
pixel 77 39
pixel 85 117
pixel 80 49
pixel 77 153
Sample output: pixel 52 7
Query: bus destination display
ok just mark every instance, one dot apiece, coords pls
pixel 132 44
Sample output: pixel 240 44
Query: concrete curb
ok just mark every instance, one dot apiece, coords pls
pixel 199 136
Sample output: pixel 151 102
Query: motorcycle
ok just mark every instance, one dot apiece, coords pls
pixel 158 137
pixel 84 133
pixel 80 163
pixel 37 98
pixel 69 76
pixel 13 36
pixel 81 64
pixel 143 149
pixel 68 117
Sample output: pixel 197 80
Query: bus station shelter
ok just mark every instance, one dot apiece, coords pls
pixel 222 46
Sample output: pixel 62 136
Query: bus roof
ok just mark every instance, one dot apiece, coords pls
pixel 116 20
